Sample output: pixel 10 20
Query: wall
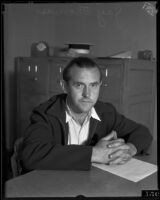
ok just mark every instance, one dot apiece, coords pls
pixel 111 27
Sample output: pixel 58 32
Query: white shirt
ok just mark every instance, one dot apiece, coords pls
pixel 79 134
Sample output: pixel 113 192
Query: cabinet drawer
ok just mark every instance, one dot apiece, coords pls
pixel 33 76
pixel 56 69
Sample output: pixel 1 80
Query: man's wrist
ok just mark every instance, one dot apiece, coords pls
pixel 96 154
pixel 93 156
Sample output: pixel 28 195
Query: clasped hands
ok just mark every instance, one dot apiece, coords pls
pixel 112 150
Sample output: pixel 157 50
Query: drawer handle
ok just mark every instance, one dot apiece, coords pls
pixel 105 85
pixel 60 70
pixel 29 68
pixel 33 78
pixel 36 68
pixel 106 72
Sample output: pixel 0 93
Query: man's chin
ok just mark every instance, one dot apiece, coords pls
pixel 85 110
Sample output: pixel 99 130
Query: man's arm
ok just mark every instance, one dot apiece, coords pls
pixel 136 138
pixel 131 131
pixel 43 148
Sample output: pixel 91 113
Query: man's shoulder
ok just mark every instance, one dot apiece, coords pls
pixel 45 106
pixel 104 107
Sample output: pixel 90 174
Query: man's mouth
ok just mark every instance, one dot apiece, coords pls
pixel 86 101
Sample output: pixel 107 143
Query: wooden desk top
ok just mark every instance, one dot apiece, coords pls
pixel 93 183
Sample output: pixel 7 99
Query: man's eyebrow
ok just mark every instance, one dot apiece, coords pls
pixel 96 82
pixel 84 83
pixel 78 82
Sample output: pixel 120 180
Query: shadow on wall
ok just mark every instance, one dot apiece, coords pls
pixel 11 118
pixel 9 135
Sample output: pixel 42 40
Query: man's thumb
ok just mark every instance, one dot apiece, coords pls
pixel 111 136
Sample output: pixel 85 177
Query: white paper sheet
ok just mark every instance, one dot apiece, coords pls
pixel 134 170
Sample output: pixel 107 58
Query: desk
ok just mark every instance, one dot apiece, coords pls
pixel 93 183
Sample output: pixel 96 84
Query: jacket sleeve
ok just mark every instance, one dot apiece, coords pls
pixel 42 151
pixel 132 132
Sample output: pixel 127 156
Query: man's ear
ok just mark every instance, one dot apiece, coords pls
pixel 63 85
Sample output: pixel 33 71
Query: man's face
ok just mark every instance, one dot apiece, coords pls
pixel 83 88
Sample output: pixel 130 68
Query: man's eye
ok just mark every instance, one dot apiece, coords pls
pixel 78 85
pixel 94 85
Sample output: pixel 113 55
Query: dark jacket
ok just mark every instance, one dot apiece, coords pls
pixel 45 143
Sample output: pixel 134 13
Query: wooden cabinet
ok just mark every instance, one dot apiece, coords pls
pixel 131 87
pixel 32 88
pixel 128 84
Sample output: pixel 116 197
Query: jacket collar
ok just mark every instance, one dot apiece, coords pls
pixel 92 114
pixel 59 107
pixel 58 110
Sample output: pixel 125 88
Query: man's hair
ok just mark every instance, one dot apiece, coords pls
pixel 81 62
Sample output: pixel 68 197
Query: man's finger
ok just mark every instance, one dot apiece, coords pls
pixel 119 160
pixel 120 153
pixel 115 161
pixel 116 143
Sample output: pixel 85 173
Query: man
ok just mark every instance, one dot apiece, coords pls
pixel 72 130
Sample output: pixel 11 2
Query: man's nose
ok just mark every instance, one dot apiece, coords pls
pixel 86 92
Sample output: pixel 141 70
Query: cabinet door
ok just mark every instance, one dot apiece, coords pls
pixel 33 74
pixel 32 88
pixel 141 91
pixel 112 84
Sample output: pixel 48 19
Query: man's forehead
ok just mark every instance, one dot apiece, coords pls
pixel 85 75
pixel 84 69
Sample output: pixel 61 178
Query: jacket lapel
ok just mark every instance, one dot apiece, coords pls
pixel 58 111
pixel 92 129
pixel 66 133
